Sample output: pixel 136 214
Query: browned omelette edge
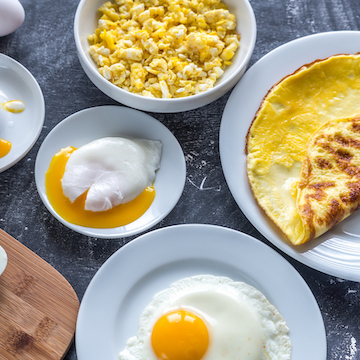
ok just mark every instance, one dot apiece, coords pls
pixel 337 212
pixel 307 65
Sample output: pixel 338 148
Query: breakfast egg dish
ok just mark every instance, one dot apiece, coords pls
pixel 166 48
pixel 104 184
pixel 209 317
pixel 303 147
pixel 12 106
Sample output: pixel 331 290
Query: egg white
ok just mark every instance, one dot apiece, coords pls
pixel 240 320
pixel 114 170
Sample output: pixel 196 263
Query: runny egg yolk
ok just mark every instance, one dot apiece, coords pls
pixel 5 147
pixel 180 335
pixel 75 213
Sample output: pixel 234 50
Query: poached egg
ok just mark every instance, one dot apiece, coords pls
pixel 106 183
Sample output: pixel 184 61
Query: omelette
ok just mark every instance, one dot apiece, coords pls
pixel 281 146
pixel 329 186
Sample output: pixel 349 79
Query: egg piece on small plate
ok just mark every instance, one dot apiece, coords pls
pixel 209 317
pixel 77 186
pixel 22 111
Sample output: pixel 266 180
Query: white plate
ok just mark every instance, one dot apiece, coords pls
pixel 125 284
pixel 21 129
pixel 87 125
pixel 338 251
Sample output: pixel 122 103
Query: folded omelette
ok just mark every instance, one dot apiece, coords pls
pixel 302 148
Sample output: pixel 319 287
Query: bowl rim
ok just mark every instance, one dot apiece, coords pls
pixel 99 77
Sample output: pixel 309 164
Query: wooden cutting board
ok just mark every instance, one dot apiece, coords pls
pixel 38 307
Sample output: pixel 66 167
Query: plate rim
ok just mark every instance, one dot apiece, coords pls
pixel 41 102
pixel 94 232
pixel 91 308
pixel 270 232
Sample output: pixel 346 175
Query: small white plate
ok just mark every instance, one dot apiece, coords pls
pixel 337 252
pixel 87 125
pixel 128 280
pixel 21 129
pixel 3 259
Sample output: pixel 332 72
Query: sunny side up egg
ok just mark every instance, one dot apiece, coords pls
pixel 104 184
pixel 208 317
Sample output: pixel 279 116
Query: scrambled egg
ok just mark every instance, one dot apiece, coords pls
pixel 164 48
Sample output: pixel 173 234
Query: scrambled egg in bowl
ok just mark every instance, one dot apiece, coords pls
pixel 164 48
pixel 282 134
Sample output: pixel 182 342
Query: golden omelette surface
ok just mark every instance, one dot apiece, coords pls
pixel 329 187
pixel 289 114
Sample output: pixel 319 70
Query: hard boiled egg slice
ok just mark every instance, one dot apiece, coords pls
pixel 113 170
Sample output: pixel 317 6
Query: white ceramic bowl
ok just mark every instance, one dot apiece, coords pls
pixel 3 260
pixel 86 18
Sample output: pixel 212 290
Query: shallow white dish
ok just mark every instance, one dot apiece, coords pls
pixel 87 125
pixel 3 259
pixel 85 22
pixel 337 252
pixel 21 129
pixel 120 290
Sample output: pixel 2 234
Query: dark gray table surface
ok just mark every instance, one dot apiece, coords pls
pixel 44 44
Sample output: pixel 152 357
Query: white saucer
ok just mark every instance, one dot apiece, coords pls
pixel 21 129
pixel 87 125
pixel 128 280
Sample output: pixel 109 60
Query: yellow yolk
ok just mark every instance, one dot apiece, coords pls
pixel 75 213
pixel 5 147
pixel 180 335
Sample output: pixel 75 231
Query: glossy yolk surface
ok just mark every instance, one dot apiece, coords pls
pixel 180 335
pixel 75 213
pixel 5 147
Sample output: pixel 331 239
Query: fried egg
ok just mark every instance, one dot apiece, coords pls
pixel 290 113
pixel 208 317
pixel 106 183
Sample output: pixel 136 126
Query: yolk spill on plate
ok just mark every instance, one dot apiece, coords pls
pixel 5 147
pixel 75 213
pixel 14 106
